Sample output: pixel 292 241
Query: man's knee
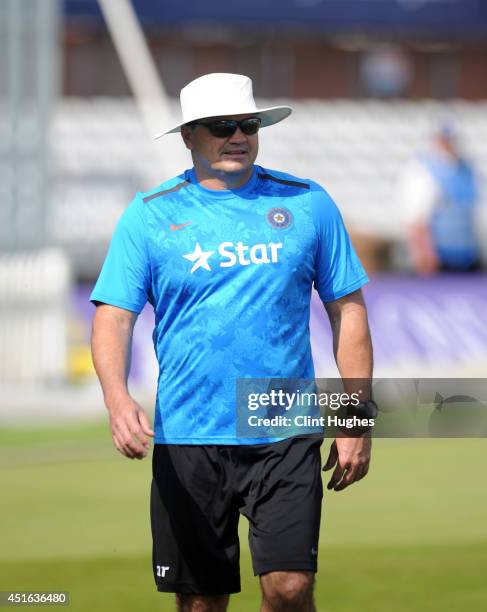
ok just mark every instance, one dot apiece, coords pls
pixel 289 590
pixel 201 603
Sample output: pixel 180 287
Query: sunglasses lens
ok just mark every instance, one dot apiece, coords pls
pixel 222 129
pixel 226 127
pixel 250 126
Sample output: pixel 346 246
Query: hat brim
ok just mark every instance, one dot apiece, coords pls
pixel 269 116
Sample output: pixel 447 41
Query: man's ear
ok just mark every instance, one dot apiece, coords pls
pixel 187 136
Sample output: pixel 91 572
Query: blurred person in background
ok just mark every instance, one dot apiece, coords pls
pixel 227 254
pixel 437 192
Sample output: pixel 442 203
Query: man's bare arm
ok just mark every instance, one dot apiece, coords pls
pixel 422 250
pixel 352 347
pixel 111 343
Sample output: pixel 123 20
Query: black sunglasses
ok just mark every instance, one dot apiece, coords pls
pixel 223 128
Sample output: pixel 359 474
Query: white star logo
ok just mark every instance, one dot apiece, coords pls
pixel 200 258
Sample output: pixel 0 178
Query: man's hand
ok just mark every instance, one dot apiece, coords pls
pixel 423 253
pixel 352 458
pixel 130 428
pixel 110 344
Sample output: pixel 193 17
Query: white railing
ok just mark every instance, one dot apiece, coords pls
pixel 34 294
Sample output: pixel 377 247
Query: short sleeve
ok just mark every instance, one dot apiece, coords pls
pixel 338 270
pixel 125 278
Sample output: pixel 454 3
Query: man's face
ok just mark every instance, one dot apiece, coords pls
pixel 234 155
pixel 448 144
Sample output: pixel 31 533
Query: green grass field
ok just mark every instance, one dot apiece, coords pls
pixel 411 536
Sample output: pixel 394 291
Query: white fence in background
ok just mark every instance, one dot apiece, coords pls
pixel 34 293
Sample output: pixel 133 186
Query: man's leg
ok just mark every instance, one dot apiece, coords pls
pixel 201 603
pixel 283 504
pixel 287 592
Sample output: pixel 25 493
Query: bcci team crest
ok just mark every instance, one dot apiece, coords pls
pixel 280 218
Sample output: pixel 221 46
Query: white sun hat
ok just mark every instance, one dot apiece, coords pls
pixel 221 94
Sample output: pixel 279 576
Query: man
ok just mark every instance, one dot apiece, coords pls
pixel 227 254
pixel 437 193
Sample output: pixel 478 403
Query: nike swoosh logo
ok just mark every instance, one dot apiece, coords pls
pixel 176 227
pixel 314 552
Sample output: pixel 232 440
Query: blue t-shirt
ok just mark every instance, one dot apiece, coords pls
pixel 229 274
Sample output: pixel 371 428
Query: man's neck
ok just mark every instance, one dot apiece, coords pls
pixel 220 181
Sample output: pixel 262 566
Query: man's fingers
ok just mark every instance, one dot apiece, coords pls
pixel 134 426
pixel 119 445
pixel 359 473
pixel 347 479
pixel 332 457
pixel 336 477
pixel 137 431
pixel 145 423
pixel 123 451
pixel 365 469
pixel 354 474
pixel 126 448
pixel 130 430
pixel 131 447
pixel 354 457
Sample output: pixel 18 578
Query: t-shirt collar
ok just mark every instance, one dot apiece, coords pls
pixel 190 176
